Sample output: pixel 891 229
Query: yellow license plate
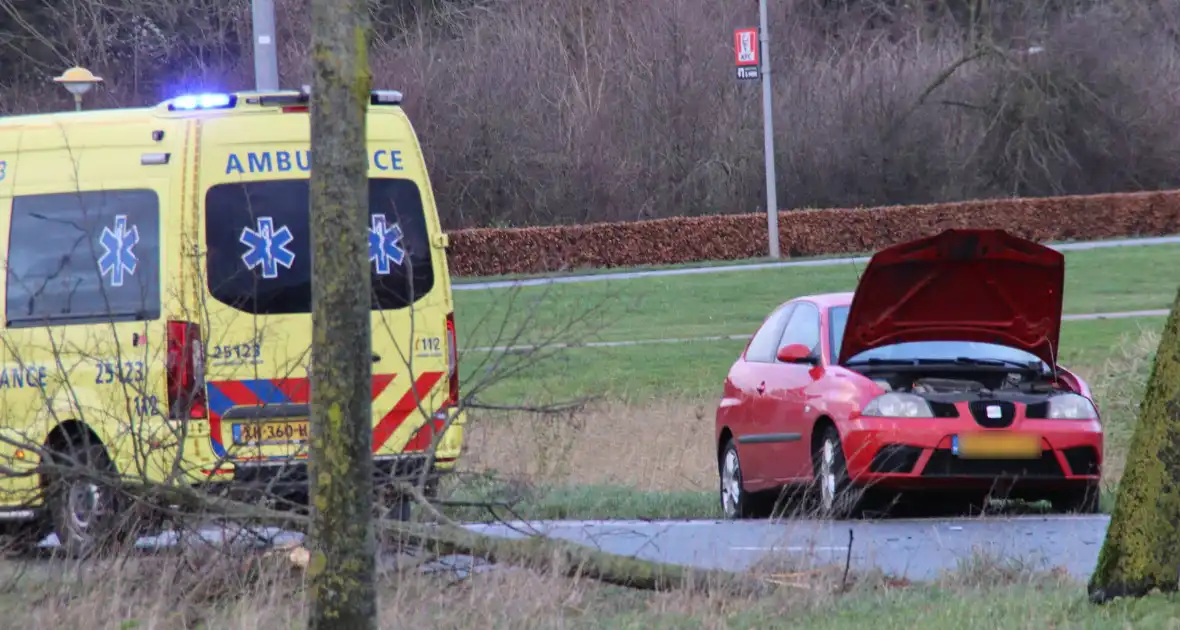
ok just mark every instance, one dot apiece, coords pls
pixel 271 432
pixel 993 445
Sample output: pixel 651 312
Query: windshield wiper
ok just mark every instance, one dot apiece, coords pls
pixel 1028 365
pixel 877 361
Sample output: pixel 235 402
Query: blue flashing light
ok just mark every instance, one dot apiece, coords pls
pixel 194 102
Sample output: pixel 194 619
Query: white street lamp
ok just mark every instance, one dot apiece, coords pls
pixel 78 81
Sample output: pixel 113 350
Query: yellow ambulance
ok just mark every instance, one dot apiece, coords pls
pixel 157 306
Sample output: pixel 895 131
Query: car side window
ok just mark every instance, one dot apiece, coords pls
pixel 763 346
pixel 802 328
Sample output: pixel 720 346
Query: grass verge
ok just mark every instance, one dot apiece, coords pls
pixel 654 459
pixel 1097 281
pixel 166 593
pixel 696 370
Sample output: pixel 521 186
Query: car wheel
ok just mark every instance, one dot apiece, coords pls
pixel 836 496
pixel 736 503
pixel 85 511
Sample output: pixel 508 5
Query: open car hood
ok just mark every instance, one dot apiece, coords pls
pixel 960 285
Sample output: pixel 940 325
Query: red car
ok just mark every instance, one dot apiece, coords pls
pixel 934 384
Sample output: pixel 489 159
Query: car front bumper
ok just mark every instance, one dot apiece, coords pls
pixel 906 453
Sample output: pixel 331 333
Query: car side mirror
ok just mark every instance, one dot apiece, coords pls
pixel 795 353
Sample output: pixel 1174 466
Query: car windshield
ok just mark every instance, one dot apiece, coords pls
pixel 929 350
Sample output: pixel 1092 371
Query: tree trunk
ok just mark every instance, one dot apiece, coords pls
pixel 342 569
pixel 1142 547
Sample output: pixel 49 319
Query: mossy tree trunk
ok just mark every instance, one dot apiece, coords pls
pixel 1142 547
pixel 342 567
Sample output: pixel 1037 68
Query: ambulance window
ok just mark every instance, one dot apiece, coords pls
pixel 252 273
pixel 79 258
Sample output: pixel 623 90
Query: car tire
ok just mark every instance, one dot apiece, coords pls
pixel 85 512
pixel 736 503
pixel 835 495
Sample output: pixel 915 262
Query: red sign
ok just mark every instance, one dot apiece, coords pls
pixel 745 46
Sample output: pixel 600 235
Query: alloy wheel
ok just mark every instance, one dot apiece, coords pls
pixel 731 484
pixel 827 475
pixel 84 500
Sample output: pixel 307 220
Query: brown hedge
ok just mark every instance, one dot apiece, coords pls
pixel 490 252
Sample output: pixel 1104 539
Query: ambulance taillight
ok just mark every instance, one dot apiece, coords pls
pixel 452 362
pixel 186 372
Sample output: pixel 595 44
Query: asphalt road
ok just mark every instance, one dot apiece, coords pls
pixel 918 549
pixel 817 262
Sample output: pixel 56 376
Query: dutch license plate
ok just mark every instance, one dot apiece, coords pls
pixel 279 432
pixel 996 445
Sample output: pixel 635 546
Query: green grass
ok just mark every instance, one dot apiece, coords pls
pixel 983 594
pixel 697 369
pixel 618 503
pixel 582 503
pixel 934 608
pixel 1104 280
pixel 923 608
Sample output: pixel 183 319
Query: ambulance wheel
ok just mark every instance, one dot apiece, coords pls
pixel 400 507
pixel 24 539
pixel 85 512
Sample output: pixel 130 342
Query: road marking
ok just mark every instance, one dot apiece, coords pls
pixel 1162 312
pixel 819 262
pixel 789 549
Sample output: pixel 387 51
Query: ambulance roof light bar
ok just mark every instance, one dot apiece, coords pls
pixel 303 97
pixel 199 102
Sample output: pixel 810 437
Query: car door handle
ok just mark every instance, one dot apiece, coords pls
pixel 762 388
pixel 376 358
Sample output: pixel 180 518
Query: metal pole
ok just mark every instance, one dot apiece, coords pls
pixel 768 132
pixel 266 63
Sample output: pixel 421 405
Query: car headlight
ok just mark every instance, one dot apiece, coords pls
pixel 1071 407
pixel 898 405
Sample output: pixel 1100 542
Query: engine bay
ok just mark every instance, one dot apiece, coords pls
pixel 959 385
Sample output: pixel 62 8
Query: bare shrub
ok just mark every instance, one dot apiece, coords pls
pixel 573 111
pixel 1118 385
pixel 660 446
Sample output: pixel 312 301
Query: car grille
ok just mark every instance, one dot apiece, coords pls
pixel 945 464
pixel 979 412
pixel 943 409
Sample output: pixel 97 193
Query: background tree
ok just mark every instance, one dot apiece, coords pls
pixel 342 570
pixel 1142 547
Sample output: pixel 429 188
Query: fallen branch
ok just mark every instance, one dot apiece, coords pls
pixel 535 551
